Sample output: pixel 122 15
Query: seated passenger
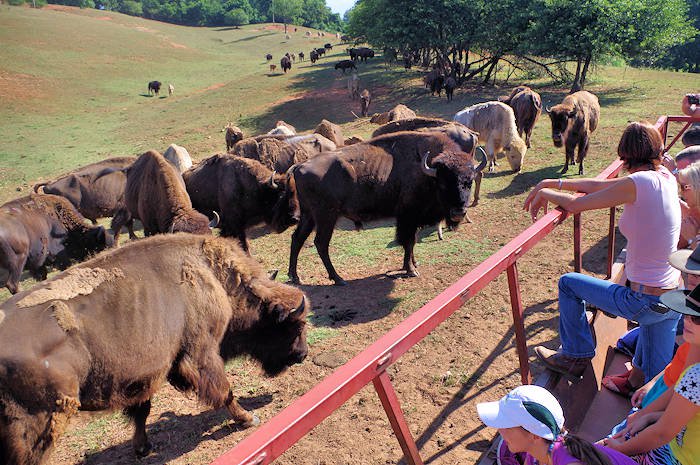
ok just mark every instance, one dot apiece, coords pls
pixel 531 421
pixel 667 432
pixel 651 238
pixel 689 180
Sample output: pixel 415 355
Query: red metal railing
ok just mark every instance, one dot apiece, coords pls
pixel 291 424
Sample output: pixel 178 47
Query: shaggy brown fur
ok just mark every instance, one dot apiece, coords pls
pixel 94 195
pixel 353 140
pixel 156 195
pixel 233 135
pixel 330 131
pixel 409 124
pixel 278 153
pixel 399 112
pixel 573 122
pixel 207 302
pixel 383 178
pixel 43 229
pixel 527 106
pixel 243 191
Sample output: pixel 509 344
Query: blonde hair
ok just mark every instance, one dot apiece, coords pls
pixel 691 176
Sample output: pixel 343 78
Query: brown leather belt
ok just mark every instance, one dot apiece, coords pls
pixel 650 290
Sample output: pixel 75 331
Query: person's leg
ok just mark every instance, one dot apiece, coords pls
pixel 656 341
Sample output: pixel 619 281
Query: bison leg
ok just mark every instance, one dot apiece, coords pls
pixel 301 233
pixel 477 188
pixel 324 232
pixel 239 414
pixel 138 413
pixel 582 152
pixel 406 237
pixel 121 218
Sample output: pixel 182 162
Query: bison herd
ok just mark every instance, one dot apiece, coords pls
pixel 109 331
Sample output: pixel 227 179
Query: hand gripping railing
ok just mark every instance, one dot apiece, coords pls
pixel 292 423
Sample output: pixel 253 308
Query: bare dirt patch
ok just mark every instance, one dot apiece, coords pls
pixel 104 18
pixel 174 45
pixel 274 27
pixel 20 87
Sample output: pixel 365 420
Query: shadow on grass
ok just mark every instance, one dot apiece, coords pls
pixel 521 182
pixel 175 435
pixel 147 95
pixel 330 309
pixel 595 259
pixel 249 38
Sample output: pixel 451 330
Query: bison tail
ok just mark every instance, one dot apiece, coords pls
pixel 40 186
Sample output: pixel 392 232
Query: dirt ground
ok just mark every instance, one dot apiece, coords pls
pixel 468 359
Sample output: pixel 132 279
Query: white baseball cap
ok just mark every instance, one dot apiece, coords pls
pixel 532 407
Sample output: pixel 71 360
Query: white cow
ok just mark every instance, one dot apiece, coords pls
pixel 495 123
pixel 179 157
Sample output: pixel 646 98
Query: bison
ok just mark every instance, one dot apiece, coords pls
pixel 330 131
pixel 527 106
pixel 573 122
pixel 244 191
pixel 286 63
pixel 418 178
pixel 154 87
pixel 345 64
pixel 354 86
pixel 301 56
pixel 155 194
pixel 233 135
pixel 279 153
pixel 179 157
pixel 399 112
pixel 171 89
pixel 41 230
pixel 365 99
pixel 268 57
pixel 107 333
pixel 450 86
pixel 495 123
pixel 93 194
pixel 313 56
pixel 363 53
pixel 411 124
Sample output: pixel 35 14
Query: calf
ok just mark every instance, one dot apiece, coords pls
pixel 273 68
pixel 365 99
pixel 233 135
pixel 171 89
pixel 573 122
pixel 450 85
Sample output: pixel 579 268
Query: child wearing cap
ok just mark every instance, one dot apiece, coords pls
pixel 531 421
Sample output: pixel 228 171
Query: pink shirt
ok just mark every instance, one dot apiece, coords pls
pixel 652 226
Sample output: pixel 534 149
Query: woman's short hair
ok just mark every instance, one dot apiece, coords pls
pixel 691 177
pixel 641 144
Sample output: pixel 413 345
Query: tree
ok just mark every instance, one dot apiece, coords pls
pixel 236 17
pixel 287 10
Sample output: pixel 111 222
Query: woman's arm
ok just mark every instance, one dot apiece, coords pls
pixel 679 412
pixel 619 192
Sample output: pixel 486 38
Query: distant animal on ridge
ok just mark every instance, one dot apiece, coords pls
pixel 354 86
pixel 268 57
pixel 273 68
pixel 313 56
pixel 171 89
pixel 286 63
pixel 573 122
pixel 153 87
pixel 301 56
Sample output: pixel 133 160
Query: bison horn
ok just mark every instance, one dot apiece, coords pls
pixel 548 109
pixel 432 172
pixel 215 221
pixel 273 275
pixel 300 309
pixel 482 164
pixel 273 184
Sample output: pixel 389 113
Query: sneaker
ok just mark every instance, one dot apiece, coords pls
pixel 557 361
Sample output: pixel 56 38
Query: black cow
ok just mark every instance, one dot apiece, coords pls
pixel 418 178
pixel 345 64
pixel 321 51
pixel 154 87
pixel 328 47
pixel 363 53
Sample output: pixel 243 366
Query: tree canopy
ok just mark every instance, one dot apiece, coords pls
pixel 472 37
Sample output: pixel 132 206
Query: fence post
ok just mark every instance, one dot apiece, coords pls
pixel 611 242
pixel 390 402
pixel 577 242
pixel 516 305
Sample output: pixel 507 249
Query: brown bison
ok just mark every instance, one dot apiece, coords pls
pixel 154 87
pixel 345 64
pixel 107 333
pixel 233 135
pixel 527 106
pixel 573 122
pixel 279 153
pixel 365 99
pixel 450 86
pixel 41 230
pixel 245 193
pixel 417 178
pixel 156 194
pixel 286 63
pixel 94 196
pixel 411 124
pixel 330 131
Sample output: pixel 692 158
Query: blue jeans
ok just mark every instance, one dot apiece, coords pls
pixel 657 330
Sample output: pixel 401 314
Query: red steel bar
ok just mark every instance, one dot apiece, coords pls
pixel 577 242
pixel 611 242
pixel 516 304
pixel 392 407
pixel 286 428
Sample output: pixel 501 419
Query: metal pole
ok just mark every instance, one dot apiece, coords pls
pixel 382 384
pixel 611 242
pixel 516 305
pixel 577 242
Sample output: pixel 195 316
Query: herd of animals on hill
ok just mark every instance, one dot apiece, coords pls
pixel 108 331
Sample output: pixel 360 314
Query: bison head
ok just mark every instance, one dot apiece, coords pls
pixel 515 153
pixel 286 211
pixel 561 116
pixel 277 336
pixel 455 174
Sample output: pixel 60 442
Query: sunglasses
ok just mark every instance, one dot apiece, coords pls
pixel 694 318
